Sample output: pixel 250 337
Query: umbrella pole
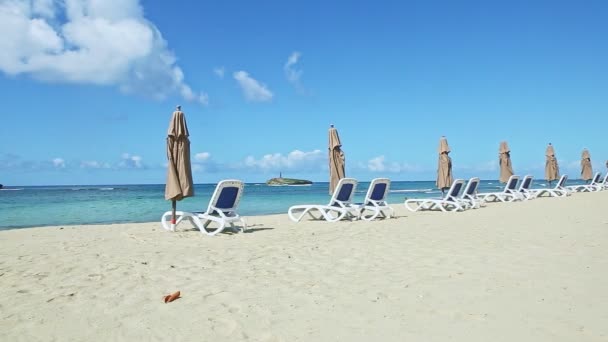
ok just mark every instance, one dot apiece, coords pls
pixel 173 206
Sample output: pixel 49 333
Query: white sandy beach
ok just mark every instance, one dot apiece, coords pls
pixel 533 271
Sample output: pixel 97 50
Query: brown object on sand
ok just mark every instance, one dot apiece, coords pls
pixel 172 297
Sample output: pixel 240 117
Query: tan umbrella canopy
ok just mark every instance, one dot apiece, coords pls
pixel 336 159
pixel 444 168
pixel 586 169
pixel 179 172
pixel 504 159
pixel 551 167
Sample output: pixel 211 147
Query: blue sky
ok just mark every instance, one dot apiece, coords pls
pixel 88 87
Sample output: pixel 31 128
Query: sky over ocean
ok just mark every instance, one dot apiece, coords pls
pixel 88 87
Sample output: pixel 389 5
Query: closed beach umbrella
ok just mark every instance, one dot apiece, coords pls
pixel 551 167
pixel 586 169
pixel 504 159
pixel 444 168
pixel 336 159
pixel 179 172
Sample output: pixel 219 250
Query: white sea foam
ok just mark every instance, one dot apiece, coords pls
pixel 413 190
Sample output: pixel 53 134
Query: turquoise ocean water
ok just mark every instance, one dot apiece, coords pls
pixel 68 205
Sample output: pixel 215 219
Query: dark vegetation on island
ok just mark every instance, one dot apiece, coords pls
pixel 287 181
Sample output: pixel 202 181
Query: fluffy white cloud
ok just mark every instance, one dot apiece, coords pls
pixel 253 90
pixel 44 8
pixel 94 42
pixel 219 71
pixel 202 156
pixel 376 164
pixel 58 163
pixel 295 160
pixel 291 72
pixel 379 164
pixel 129 161
pixel 92 164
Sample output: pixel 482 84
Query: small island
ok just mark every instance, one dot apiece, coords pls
pixel 287 182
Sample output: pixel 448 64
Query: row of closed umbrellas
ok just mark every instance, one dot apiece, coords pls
pixel 179 173
pixel 444 167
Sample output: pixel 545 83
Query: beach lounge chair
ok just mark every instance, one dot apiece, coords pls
pixel 221 210
pixel 469 196
pixel 448 203
pixel 525 188
pixel 509 193
pixel 339 207
pixel 596 184
pixel 375 200
pixel 601 185
pixel 560 189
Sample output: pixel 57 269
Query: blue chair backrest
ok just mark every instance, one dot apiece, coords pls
pixel 596 179
pixel 227 197
pixel 455 191
pixel 345 192
pixel 512 184
pixel 472 187
pixel 526 183
pixel 562 181
pixel 379 191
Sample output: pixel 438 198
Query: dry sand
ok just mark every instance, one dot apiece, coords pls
pixel 533 271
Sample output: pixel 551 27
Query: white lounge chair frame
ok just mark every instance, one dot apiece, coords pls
pixel 525 188
pixel 509 193
pixel 469 197
pixel 560 189
pixel 594 185
pixel 449 203
pixel 375 200
pixel 221 210
pixel 339 207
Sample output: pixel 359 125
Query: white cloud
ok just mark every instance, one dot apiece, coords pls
pixel 293 75
pixel 295 160
pixel 59 163
pixel 203 156
pixel 44 8
pixel 252 89
pixel 219 71
pixel 94 42
pixel 92 164
pixel 129 161
pixel 380 164
pixel 376 164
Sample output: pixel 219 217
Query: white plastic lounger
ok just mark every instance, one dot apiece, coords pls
pixel 340 206
pixel 469 197
pixel 509 194
pixel 221 210
pixel 559 190
pixel 596 184
pixel 602 185
pixel 375 200
pixel 524 188
pixel 449 203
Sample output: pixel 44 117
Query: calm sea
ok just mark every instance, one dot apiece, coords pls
pixel 68 205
